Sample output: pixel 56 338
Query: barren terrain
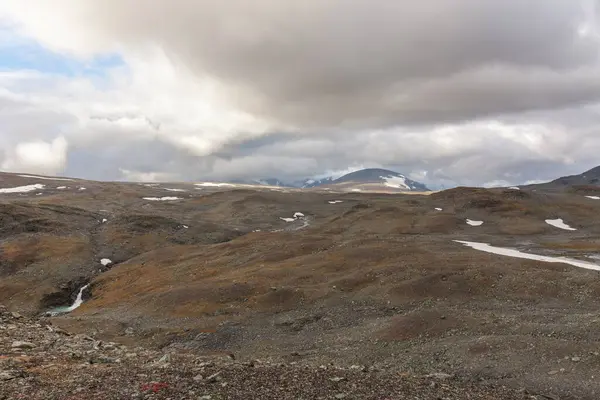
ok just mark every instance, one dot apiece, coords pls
pixel 365 279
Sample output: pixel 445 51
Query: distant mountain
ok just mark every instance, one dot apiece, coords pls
pixel 589 178
pixel 367 179
pixel 382 177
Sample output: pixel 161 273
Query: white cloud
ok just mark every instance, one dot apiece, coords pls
pixel 37 157
pixel 137 176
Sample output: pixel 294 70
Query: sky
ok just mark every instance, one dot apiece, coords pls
pixel 448 92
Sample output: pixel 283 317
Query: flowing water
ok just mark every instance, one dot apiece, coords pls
pixel 78 301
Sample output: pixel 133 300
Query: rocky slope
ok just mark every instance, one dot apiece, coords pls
pixel 39 360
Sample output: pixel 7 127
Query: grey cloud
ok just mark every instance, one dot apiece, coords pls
pixel 367 62
pixel 330 63
pixel 414 86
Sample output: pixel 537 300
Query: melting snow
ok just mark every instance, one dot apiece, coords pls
pixel 593 197
pixel 335 201
pixel 559 223
pixel 166 198
pixel 398 182
pixel 518 254
pixel 106 261
pixel 294 218
pixel 474 223
pixel 212 184
pixel 23 189
pixel 45 178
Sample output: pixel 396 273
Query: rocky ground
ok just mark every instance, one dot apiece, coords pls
pixel 367 279
pixel 39 360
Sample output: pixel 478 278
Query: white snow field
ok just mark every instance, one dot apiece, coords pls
pixel 519 254
pixel 23 189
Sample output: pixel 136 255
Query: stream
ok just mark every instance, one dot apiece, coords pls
pixel 63 310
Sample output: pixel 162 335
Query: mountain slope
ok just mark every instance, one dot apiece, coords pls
pixel 384 177
pixel 589 180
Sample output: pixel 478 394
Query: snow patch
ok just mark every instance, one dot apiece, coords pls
pixel 47 178
pixel 354 190
pixel 175 190
pixel 185 227
pixel 474 223
pixel 106 261
pixel 213 184
pixel 593 197
pixel 166 198
pixel 559 223
pixel 82 188
pixel 514 188
pixel 23 189
pixel 297 215
pixel 398 182
pixel 335 201
pixel 438 209
pixel 519 254
pixel 104 220
pixel 61 187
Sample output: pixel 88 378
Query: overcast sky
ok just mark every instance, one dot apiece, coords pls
pixel 476 92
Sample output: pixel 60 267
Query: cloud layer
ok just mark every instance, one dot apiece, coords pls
pixel 461 91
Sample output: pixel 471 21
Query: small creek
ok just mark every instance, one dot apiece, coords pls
pixel 78 302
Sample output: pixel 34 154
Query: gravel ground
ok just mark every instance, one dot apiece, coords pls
pixel 39 361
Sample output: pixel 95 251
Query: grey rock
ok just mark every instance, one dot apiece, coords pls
pixel 214 377
pixel 22 345
pixel 6 376
pixel 440 375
